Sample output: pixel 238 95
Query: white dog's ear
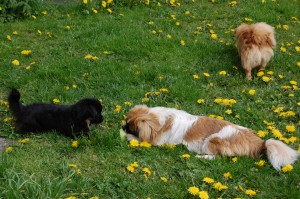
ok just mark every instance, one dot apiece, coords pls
pixel 148 127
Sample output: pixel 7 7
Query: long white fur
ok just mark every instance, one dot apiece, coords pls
pixel 182 122
pixel 279 154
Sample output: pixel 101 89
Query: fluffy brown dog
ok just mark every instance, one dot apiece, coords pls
pixel 255 45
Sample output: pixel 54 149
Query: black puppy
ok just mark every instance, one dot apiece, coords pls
pixel 69 120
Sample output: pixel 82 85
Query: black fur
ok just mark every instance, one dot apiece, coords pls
pixel 70 120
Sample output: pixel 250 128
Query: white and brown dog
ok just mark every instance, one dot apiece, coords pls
pixel 206 136
pixel 255 45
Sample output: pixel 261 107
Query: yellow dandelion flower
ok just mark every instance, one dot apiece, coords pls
pixel 164 90
pixel 134 143
pixel 193 190
pixel 222 72
pixel 235 159
pixel 39 32
pixel 298 63
pixel 290 128
pixel 78 171
pixel 203 195
pixel 8 119
pixel 134 165
pixel 26 52
pixel 293 82
pixel 73 166
pixel 15 62
pixel 250 192
pixel 283 49
pixel 200 101
pixel 8 37
pixel 208 180
pixel 56 101
pixel 74 144
pixel 182 42
pixel 109 10
pixel 147 171
pixel 103 4
pixel 68 27
pixel 233 3
pixel 169 36
pixel 145 144
pixel 88 56
pixel 281 76
pixel 252 92
pixel 196 76
pixel 145 99
pixel 260 163
pixel 24 141
pixel 85 1
pixel 260 73
pixel 8 149
pixel 219 186
pixel 277 133
pixel 227 175
pixel 214 36
pixel 128 103
pixel 130 168
pixel 164 179
pixel 185 156
pixel 293 139
pixel 118 109
pixel 248 19
pixel 151 22
pixel 286 27
pixel 44 12
pixel 33 16
pixel 206 74
pixel 147 2
pixel 287 168
pixel 262 134
pixel 228 111
pixel 266 79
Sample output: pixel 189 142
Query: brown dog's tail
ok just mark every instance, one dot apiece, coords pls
pixel 280 154
pixel 14 102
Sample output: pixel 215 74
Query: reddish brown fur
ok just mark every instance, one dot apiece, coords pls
pixel 244 143
pixel 204 127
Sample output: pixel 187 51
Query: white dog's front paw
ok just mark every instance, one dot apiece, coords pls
pixel 207 157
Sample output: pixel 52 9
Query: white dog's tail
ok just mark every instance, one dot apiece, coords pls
pixel 280 154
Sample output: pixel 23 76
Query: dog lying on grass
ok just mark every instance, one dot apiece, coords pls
pixel 206 136
pixel 69 120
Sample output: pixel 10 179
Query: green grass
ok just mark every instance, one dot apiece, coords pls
pixel 138 62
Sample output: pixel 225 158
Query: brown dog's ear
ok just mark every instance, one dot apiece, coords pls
pixel 148 127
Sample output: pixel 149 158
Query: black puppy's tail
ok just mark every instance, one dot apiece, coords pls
pixel 14 101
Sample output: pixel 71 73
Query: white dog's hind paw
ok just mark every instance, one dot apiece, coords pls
pixel 207 157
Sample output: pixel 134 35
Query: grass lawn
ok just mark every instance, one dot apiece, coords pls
pixel 181 55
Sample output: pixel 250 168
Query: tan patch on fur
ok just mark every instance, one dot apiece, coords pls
pixel 204 127
pixel 243 143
